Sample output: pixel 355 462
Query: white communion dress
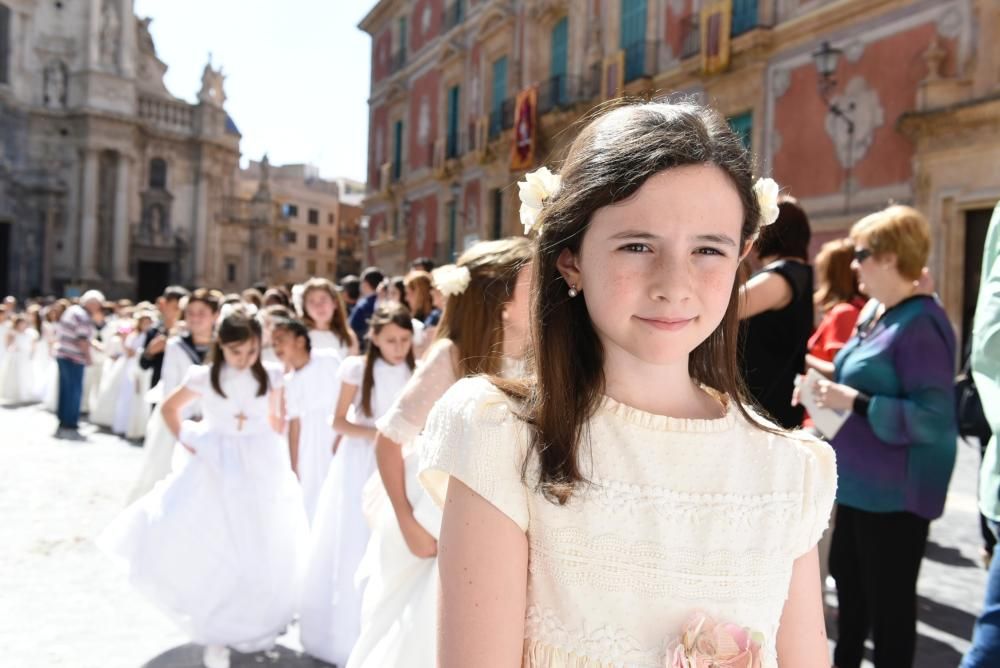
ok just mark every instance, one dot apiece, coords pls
pixel 46 368
pixel 311 395
pixel 19 369
pixel 160 453
pixel 219 544
pixel 324 339
pixel 680 516
pixel 127 388
pixel 329 615
pixel 105 404
pixel 399 612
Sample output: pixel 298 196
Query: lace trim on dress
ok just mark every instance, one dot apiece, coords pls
pixel 777 508
pixel 396 427
pixel 549 643
pixel 548 639
pixel 667 423
pixel 571 558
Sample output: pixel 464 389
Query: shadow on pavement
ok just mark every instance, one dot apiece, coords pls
pixel 946 618
pixel 933 653
pixel 189 656
pixel 949 556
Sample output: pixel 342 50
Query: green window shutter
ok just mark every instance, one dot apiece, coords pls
pixel 499 94
pixel 744 16
pixel 743 126
pixel 633 37
pixel 452 139
pixel 397 151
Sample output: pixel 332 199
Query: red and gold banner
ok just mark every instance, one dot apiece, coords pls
pixel 716 22
pixel 522 149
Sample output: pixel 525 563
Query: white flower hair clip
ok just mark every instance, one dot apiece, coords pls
pixel 298 290
pixel 767 191
pixel 451 279
pixel 538 186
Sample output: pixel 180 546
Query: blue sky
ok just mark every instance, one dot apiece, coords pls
pixel 297 73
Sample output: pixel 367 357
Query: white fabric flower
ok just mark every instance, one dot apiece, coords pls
pixel 537 187
pixel 298 290
pixel 451 279
pixel 767 191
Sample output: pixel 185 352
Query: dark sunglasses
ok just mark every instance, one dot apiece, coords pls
pixel 862 254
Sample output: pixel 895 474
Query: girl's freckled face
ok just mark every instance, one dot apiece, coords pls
pixel 657 269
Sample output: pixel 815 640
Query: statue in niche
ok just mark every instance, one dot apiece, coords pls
pixel 154 226
pixel 264 182
pixel 54 85
pixel 110 33
pixel 265 169
pixel 212 85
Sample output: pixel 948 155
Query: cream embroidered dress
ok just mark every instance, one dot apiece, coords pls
pixel 681 516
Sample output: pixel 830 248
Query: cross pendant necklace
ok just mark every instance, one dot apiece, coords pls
pixel 240 418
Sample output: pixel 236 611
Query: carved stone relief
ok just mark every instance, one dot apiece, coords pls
pixel 110 34
pixel 54 79
pixel 865 109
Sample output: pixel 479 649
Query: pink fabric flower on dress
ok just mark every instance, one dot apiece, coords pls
pixel 707 644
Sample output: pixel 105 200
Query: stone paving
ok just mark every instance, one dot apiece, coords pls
pixel 62 604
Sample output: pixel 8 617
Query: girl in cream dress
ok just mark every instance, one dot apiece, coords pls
pixel 623 505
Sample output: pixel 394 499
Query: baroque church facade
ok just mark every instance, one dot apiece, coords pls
pixel 106 179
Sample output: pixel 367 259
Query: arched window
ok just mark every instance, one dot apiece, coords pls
pixel 157 174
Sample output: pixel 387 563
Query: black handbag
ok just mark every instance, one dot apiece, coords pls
pixel 972 420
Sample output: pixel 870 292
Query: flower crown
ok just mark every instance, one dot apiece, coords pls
pixel 451 279
pixel 542 185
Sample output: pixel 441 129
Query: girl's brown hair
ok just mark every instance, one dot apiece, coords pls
pixel 420 283
pixel 608 162
pixel 236 326
pixel 337 324
pixel 390 313
pixel 473 320
pixel 837 281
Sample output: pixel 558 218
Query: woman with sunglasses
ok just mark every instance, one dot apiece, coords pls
pixel 896 450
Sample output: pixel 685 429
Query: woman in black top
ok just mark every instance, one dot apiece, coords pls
pixel 777 312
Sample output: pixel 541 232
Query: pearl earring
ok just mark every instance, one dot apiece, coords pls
pixel 573 292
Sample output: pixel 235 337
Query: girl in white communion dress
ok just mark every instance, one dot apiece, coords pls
pixel 329 616
pixel 218 546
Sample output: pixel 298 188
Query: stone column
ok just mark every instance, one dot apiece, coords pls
pixel 120 239
pixel 199 231
pixel 88 218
